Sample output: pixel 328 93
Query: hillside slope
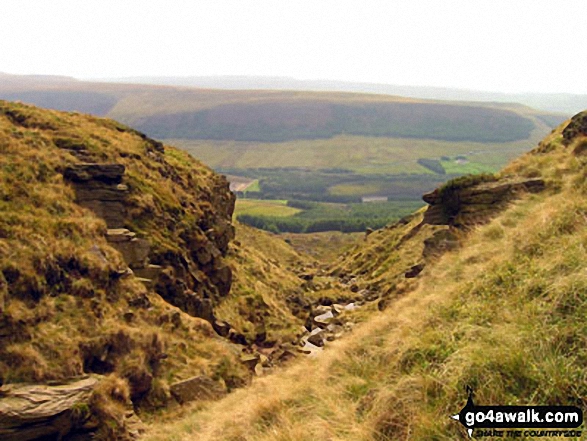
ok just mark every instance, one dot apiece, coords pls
pixel 118 260
pixel 499 306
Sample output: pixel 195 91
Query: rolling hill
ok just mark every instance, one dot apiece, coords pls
pixel 565 103
pixel 325 147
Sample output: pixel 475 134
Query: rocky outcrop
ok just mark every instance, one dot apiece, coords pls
pixel 577 127
pixel 44 412
pixel 466 201
pixel 99 187
pixel 190 281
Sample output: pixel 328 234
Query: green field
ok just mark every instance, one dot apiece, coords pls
pixel 253 187
pixel 365 155
pixel 299 216
pixel 255 207
pixel 453 167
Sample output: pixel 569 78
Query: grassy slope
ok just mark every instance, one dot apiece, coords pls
pixel 263 280
pixel 506 314
pixel 60 307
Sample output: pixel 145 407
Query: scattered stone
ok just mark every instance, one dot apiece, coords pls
pixel 221 327
pixel 414 271
pixel 250 360
pixel 337 308
pixel 316 337
pixel 440 242
pixel 382 304
pixel 322 309
pixel 350 307
pixel 95 250
pixel 287 352
pixel 302 331
pixel 147 282
pixel 236 337
pixel 142 301
pixel 197 388
pixel 354 287
pixel 323 319
pixel 259 370
pixel 134 251
pixel 310 349
pixel 176 319
pixel 334 328
pixel 264 360
pixel 133 424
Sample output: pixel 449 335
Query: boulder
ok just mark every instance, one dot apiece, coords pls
pixel 322 309
pixel 322 320
pixel 316 337
pixel 250 360
pixel 29 412
pixel 221 327
pixel 197 388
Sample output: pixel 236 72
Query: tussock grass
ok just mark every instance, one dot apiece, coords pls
pixel 62 312
pixel 505 314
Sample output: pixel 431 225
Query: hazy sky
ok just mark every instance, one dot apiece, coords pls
pixel 498 45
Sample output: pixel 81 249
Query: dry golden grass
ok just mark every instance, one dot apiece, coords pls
pixel 263 280
pixel 506 314
pixel 62 313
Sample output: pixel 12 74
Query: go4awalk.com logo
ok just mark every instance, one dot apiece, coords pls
pixel 519 421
